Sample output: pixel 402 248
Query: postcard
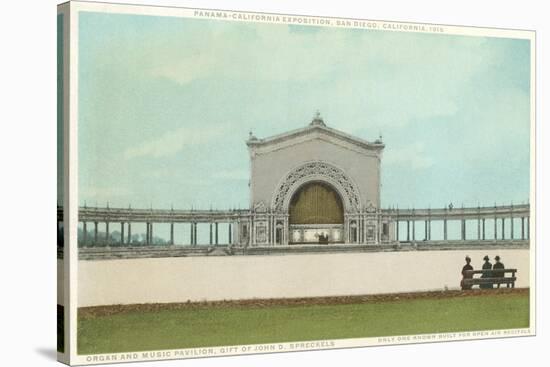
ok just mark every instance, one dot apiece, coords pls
pixel 237 182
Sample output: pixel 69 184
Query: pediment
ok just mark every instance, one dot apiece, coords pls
pixel 314 132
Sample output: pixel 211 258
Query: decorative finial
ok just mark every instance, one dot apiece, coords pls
pixel 251 136
pixel 317 120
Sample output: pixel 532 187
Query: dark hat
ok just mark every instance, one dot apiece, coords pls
pixel 497 258
pixel 486 258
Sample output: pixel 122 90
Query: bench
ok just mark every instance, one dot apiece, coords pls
pixel 493 278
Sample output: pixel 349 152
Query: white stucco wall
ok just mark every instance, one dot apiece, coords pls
pixel 160 280
pixel 268 169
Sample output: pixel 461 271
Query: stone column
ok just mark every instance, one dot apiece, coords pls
pixel 147 233
pixel 502 227
pixel 379 227
pixel 95 232
pixel 273 230
pixel 195 234
pixel 363 233
pixel 496 229
pixel 445 229
pixel 483 228
pixel 346 229
pixel 85 233
pixel 121 233
pixel 463 229
pixel 528 225
pixel 269 229
pixel 522 228
pixel 107 236
pixel 249 234
pixel 211 238
pixel 397 230
pixel 360 224
pixel 425 230
pixel 478 228
pixel 408 231
pixel 414 230
pixel 229 233
pixel 216 232
pixel 172 233
pixel 286 231
pixel 191 233
pixel 129 232
pixel 429 224
pixel 364 229
pixel 511 226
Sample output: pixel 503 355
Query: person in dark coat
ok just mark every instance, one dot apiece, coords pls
pixel 466 275
pixel 486 266
pixel 497 266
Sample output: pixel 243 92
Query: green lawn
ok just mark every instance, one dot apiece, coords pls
pixel 212 326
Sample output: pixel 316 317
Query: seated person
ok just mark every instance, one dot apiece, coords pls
pixel 466 275
pixel 498 265
pixel 486 274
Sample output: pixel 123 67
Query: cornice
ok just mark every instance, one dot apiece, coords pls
pixel 313 132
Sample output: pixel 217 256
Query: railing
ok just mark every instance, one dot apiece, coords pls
pixel 194 215
pixel 159 215
pixel 504 211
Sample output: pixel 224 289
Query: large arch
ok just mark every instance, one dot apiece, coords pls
pixel 316 171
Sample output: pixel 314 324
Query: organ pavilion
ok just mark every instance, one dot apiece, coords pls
pixel 316 185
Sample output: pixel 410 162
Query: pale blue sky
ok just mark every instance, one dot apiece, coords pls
pixel 165 106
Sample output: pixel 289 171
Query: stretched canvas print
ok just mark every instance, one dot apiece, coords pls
pixel 238 182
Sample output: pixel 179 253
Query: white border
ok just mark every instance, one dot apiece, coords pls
pixel 241 16
pixel 313 345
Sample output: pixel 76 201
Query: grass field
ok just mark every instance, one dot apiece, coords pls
pixel 206 325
